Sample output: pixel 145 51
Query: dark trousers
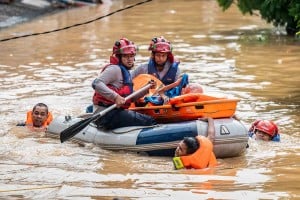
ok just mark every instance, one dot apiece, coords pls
pixel 120 118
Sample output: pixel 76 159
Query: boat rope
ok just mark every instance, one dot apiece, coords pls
pixel 79 24
pixel 129 129
pixel 141 147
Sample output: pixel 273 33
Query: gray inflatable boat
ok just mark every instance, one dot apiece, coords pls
pixel 231 137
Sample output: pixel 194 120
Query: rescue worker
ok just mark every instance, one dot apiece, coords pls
pixel 164 67
pixel 113 85
pixel 196 152
pixel 38 117
pixel 161 64
pixel 265 130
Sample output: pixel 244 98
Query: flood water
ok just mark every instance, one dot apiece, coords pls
pixel 227 53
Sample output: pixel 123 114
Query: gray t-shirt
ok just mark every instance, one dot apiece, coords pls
pixel 112 75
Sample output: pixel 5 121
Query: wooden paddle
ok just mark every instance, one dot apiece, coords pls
pixel 142 79
pixel 77 127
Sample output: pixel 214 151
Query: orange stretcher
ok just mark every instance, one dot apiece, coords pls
pixel 190 107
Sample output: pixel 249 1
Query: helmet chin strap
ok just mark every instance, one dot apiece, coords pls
pixel 159 67
pixel 127 67
pixel 130 67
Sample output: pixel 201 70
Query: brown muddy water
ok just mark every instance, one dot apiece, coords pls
pixel 227 53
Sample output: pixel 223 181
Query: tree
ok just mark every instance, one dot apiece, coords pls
pixel 278 12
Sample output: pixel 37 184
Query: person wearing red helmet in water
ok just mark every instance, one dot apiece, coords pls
pixel 265 130
pixel 113 85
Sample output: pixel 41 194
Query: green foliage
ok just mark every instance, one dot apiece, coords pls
pixel 225 4
pixel 278 12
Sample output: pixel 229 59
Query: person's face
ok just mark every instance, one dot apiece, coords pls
pixel 39 116
pixel 262 136
pixel 128 60
pixel 160 58
pixel 181 149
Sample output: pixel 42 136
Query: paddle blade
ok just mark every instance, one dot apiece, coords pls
pixel 75 128
pixel 141 80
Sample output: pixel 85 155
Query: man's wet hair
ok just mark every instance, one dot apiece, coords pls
pixel 40 105
pixel 192 144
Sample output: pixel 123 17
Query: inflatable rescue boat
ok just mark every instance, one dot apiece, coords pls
pixel 231 136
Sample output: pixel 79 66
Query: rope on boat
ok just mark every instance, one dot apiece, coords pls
pixel 79 24
pixel 128 129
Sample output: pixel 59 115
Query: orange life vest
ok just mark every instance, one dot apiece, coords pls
pixel 29 121
pixel 203 157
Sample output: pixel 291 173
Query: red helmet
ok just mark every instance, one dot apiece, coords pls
pixel 124 46
pixel 266 126
pixel 160 44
